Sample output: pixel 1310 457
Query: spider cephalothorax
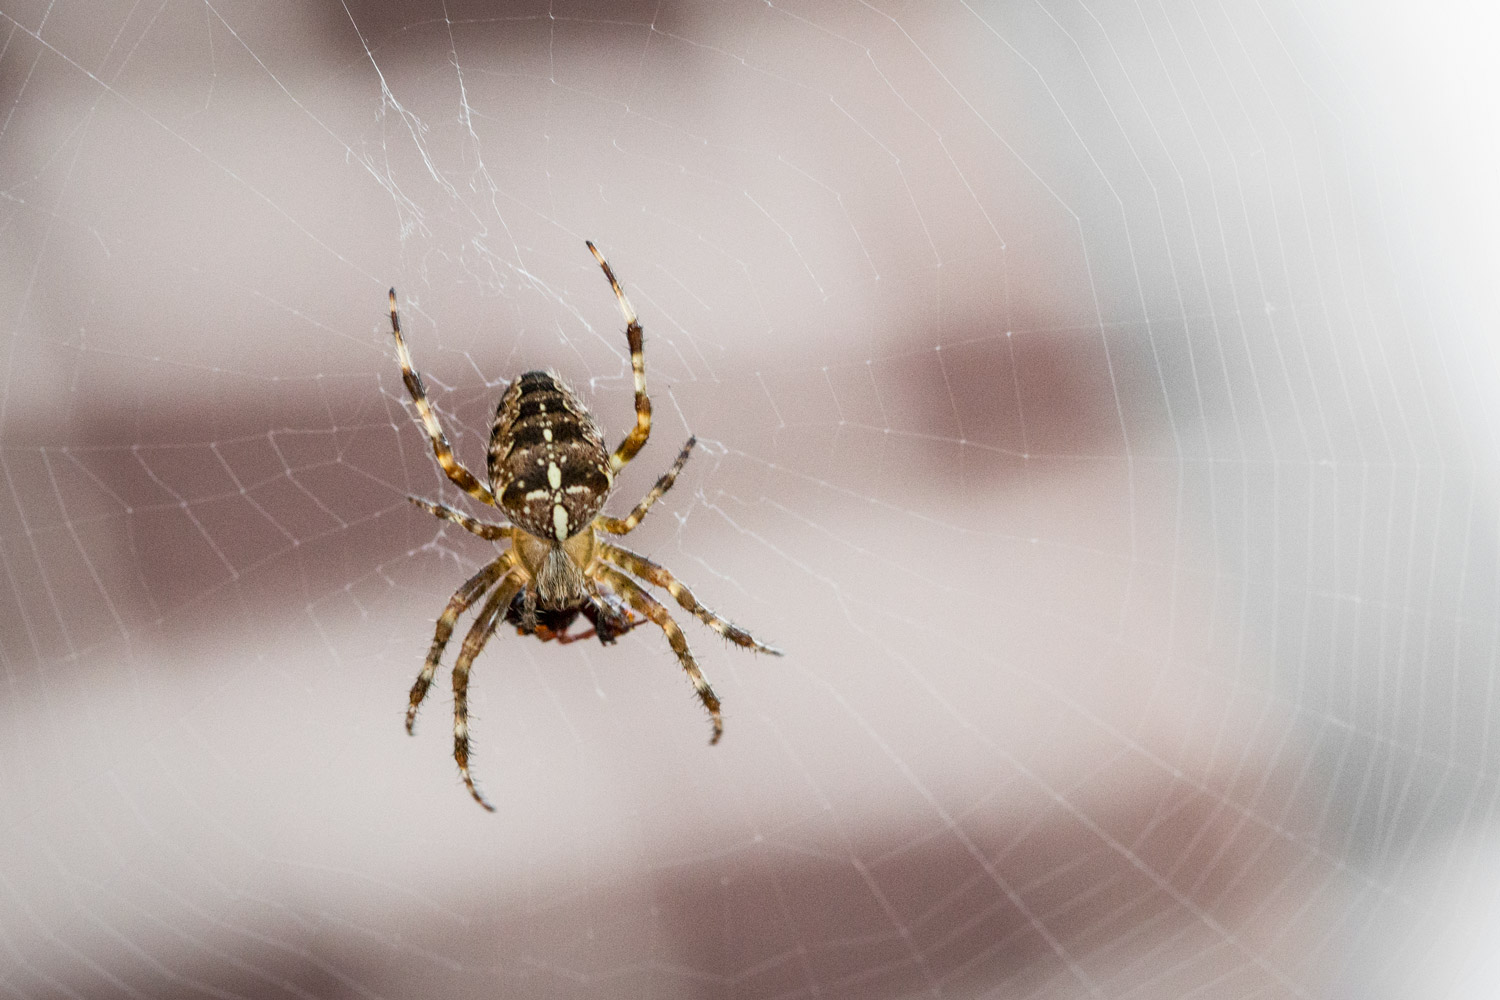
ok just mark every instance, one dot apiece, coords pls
pixel 551 474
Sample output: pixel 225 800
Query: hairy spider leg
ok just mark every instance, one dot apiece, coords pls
pixel 625 525
pixel 457 604
pixel 659 575
pixel 479 633
pixel 653 609
pixel 636 439
pixel 484 529
pixel 451 466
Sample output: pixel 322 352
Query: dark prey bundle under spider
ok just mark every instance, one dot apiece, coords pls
pixel 551 475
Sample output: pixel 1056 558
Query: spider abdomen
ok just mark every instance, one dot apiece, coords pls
pixel 547 463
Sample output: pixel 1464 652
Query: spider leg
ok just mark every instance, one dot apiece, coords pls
pixel 652 573
pixel 636 439
pixel 652 609
pixel 623 526
pixel 457 604
pixel 479 633
pixel 440 447
pixel 484 529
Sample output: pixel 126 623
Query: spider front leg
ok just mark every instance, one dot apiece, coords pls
pixel 652 609
pixel 457 605
pixel 625 525
pixel 659 575
pixel 636 439
pixel 440 448
pixel 479 634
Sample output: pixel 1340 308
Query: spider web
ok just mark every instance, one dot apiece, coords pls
pixel 1092 400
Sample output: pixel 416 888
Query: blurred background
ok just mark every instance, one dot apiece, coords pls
pixel 1095 401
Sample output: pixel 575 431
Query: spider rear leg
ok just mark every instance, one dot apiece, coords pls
pixel 636 439
pixel 652 573
pixel 479 634
pixel 625 525
pixel 440 447
pixel 457 604
pixel 653 609
pixel 484 529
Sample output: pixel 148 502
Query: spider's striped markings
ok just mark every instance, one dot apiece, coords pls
pixel 636 439
pixel 547 460
pixel 440 446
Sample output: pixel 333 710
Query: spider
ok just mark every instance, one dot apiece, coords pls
pixel 551 476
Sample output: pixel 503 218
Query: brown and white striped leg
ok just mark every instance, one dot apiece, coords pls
pixel 652 573
pixel 623 526
pixel 479 633
pixel 652 609
pixel 440 447
pixel 457 604
pixel 484 529
pixel 636 439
